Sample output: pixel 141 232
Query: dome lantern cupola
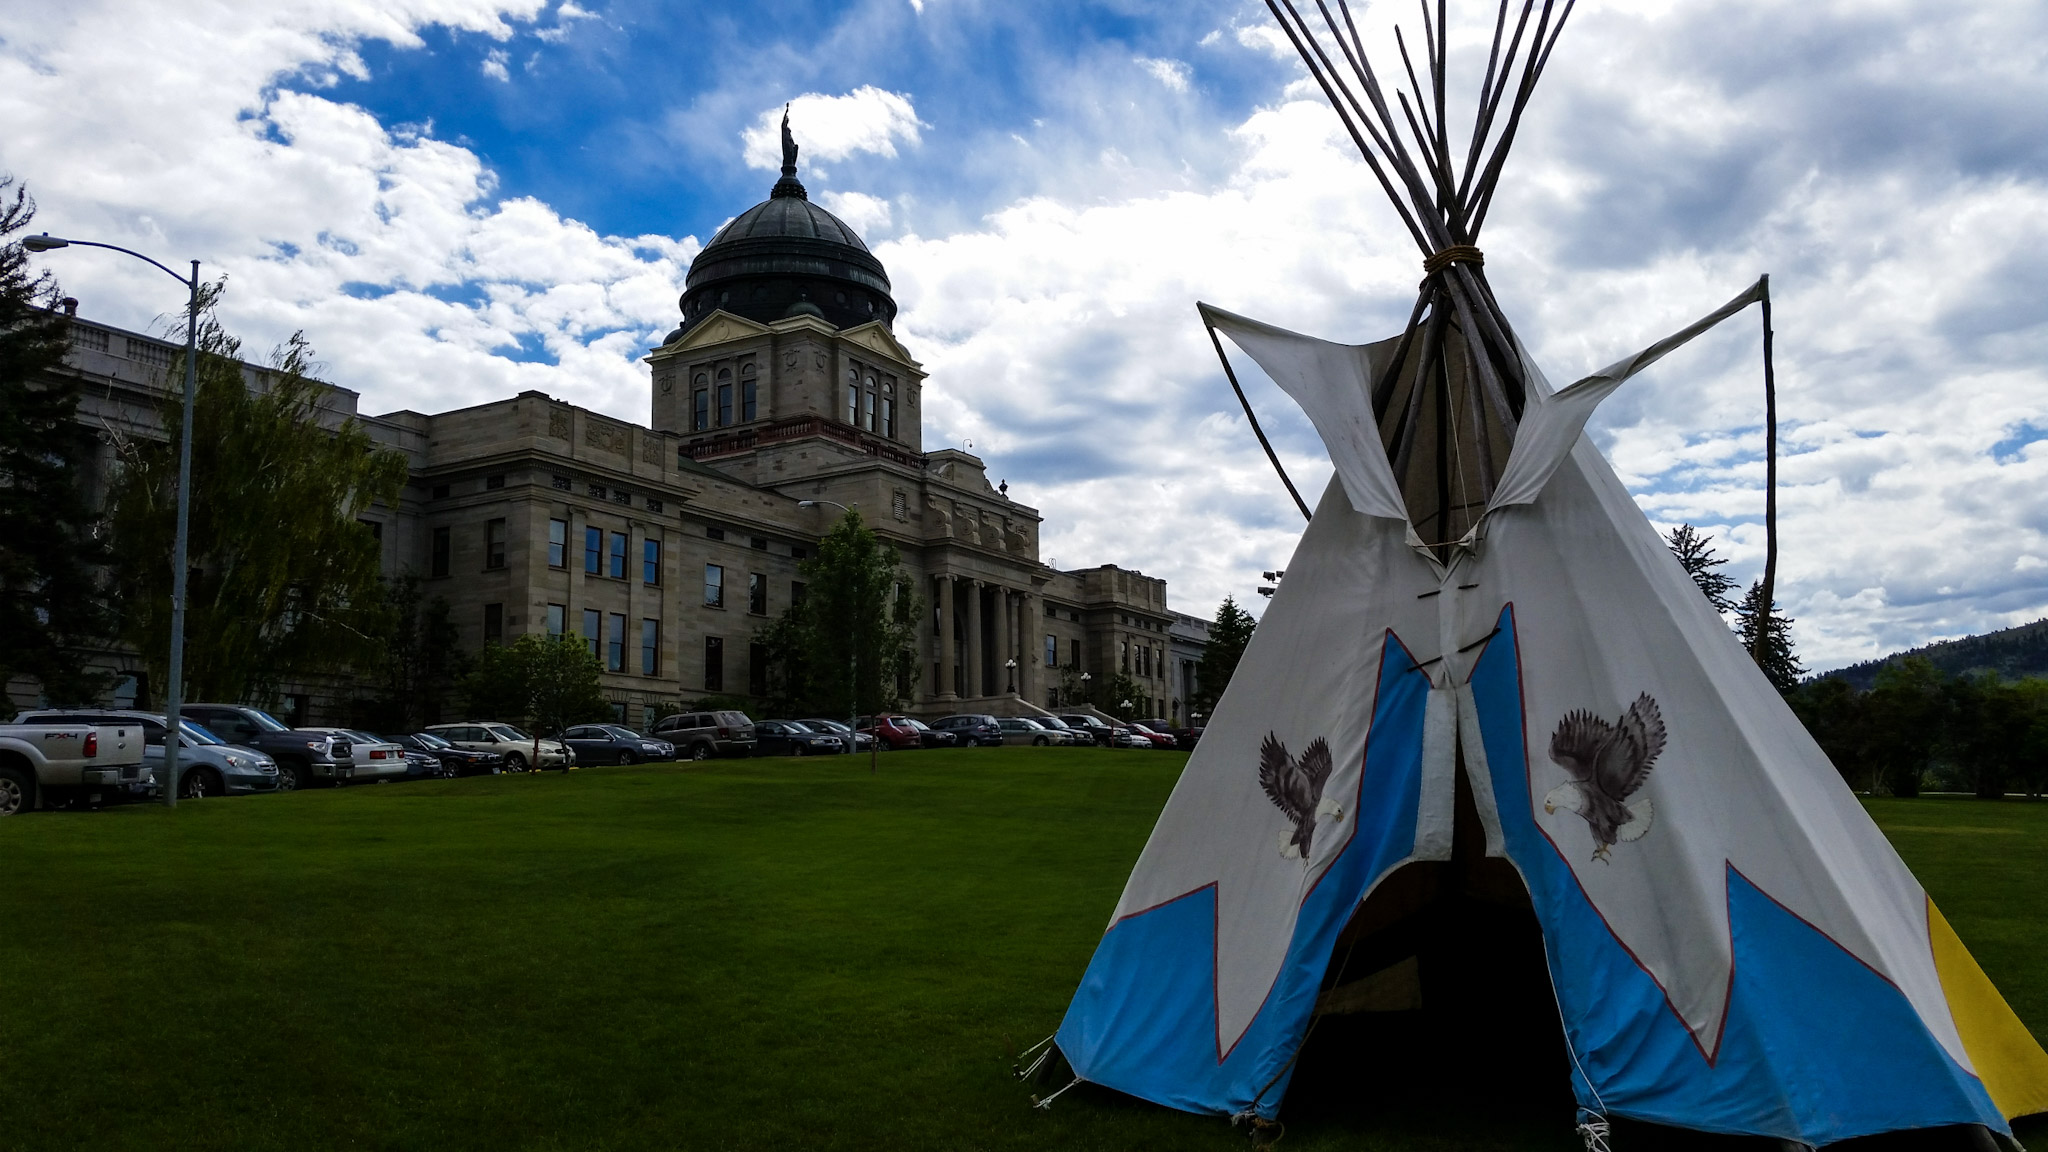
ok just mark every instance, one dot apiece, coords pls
pixel 786 256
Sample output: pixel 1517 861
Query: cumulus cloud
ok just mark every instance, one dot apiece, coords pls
pixel 494 65
pixel 866 119
pixel 420 286
pixel 867 214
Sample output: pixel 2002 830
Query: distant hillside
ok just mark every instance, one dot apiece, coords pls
pixel 2012 653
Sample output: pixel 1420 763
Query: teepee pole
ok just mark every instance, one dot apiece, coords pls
pixel 1759 640
pixel 1256 430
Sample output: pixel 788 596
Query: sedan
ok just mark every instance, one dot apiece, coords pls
pixel 862 741
pixel 612 744
pixel 454 761
pixel 793 738
pixel 1068 734
pixel 1023 730
pixel 1158 740
pixel 894 731
pixel 370 757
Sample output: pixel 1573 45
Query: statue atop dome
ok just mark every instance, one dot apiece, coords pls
pixel 789 185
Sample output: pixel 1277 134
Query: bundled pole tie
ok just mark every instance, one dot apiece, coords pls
pixel 1046 1103
pixel 1455 254
pixel 1592 1128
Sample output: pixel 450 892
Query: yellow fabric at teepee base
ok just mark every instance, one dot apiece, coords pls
pixel 2008 1060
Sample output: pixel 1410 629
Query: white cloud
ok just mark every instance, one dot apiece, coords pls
pixel 1172 73
pixel 494 65
pixel 866 119
pixel 867 214
pixel 392 250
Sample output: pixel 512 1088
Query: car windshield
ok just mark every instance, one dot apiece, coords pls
pixel 624 733
pixel 264 720
pixel 920 725
pixel 431 740
pixel 1142 728
pixel 1051 722
pixel 365 737
pixel 508 732
pixel 800 726
pixel 198 735
pixel 825 726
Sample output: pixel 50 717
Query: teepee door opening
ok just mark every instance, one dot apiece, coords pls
pixel 1437 997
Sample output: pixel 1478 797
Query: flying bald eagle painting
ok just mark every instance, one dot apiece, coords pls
pixel 1607 763
pixel 1295 786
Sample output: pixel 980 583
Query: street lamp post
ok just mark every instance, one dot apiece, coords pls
pixel 1085 678
pixel 174 689
pixel 1011 664
pixel 852 664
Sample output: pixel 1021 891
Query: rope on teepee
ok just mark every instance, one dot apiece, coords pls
pixel 1047 1101
pixel 1454 254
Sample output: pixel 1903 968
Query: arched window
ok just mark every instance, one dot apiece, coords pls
pixel 700 404
pixel 747 406
pixel 853 396
pixel 868 413
pixel 724 397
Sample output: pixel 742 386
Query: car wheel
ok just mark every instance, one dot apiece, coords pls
pixel 17 791
pixel 514 762
pixel 625 758
pixel 198 784
pixel 1039 742
pixel 291 777
pixel 700 751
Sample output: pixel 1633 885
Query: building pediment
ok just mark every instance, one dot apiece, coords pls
pixel 718 328
pixel 876 338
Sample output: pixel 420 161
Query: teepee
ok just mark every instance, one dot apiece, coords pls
pixel 1483 651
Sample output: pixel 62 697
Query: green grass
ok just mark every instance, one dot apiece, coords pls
pixel 754 954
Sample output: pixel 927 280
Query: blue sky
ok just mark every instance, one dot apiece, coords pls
pixel 459 199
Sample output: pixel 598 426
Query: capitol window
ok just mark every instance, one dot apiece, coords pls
pixel 724 397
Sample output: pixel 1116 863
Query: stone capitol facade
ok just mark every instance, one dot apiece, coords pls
pixel 668 546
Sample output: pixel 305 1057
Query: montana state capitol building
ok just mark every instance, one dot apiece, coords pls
pixel 670 546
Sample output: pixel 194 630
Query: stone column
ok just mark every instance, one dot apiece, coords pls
pixel 1029 645
pixel 977 666
pixel 1006 637
pixel 949 616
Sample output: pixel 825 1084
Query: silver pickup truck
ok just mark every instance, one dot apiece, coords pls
pixel 59 762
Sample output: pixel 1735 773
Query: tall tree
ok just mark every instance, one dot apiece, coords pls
pixel 1775 656
pixel 53 604
pixel 1906 714
pixel 1696 555
pixel 856 630
pixel 548 682
pixel 415 663
pixel 284 578
pixel 1227 639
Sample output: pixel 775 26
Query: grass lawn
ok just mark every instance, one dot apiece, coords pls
pixel 743 954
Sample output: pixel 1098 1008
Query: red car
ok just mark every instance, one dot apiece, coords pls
pixel 1158 739
pixel 897 731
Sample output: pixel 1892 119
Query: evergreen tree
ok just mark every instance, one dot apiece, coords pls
pixel 850 647
pixel 1776 657
pixel 1227 639
pixel 53 605
pixel 1700 562
pixel 283 578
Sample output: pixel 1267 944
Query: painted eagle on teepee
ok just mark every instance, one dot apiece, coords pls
pixel 1607 763
pixel 1295 786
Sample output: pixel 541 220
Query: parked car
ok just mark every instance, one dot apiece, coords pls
pixel 303 757
pixel 371 758
pixel 897 731
pixel 1070 735
pixel 612 744
pixel 859 741
pixel 419 763
pixel 454 761
pixel 1159 740
pixel 1094 726
pixel 1023 730
pixel 702 735
pixel 794 738
pixel 515 746
pixel 1125 736
pixel 972 729
pixel 70 760
pixel 207 765
pixel 1186 738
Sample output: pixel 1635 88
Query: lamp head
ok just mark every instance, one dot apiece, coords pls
pixel 44 243
pixel 807 503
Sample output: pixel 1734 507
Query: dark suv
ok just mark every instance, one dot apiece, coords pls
pixel 302 757
pixel 973 728
pixel 702 735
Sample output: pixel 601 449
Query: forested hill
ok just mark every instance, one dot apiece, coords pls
pixel 2012 653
